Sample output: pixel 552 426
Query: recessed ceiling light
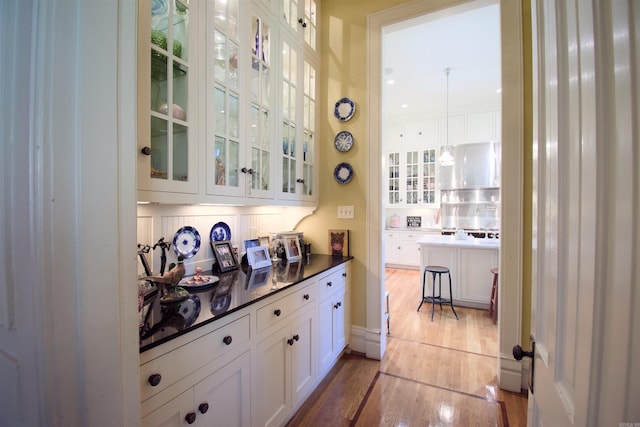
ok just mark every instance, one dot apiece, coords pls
pixel 390 81
pixel 404 105
pixel 499 90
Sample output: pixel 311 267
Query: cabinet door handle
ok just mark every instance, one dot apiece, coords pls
pixel 277 312
pixel 203 408
pixel 344 274
pixel 190 418
pixel 306 296
pixel 154 379
pixel 329 284
pixel 300 180
pixel 227 340
pixel 336 306
pixel 146 151
pixel 290 341
pixel 301 22
pixel 296 337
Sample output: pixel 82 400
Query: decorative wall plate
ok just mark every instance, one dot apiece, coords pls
pixel 186 241
pixel 343 173
pixel 219 232
pixel 344 109
pixel 343 141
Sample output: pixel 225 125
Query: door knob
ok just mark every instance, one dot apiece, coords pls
pixel 519 353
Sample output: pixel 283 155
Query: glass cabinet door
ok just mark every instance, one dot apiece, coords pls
pixel 308 133
pixel 223 98
pixel 393 178
pixel 289 111
pixel 429 176
pixel 166 89
pixel 301 17
pixel 260 109
pixel 412 176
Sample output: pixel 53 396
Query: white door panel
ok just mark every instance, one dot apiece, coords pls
pixel 583 221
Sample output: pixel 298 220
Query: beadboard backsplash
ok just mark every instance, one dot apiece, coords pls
pixel 156 221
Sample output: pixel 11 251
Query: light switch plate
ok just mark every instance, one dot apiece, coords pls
pixel 345 212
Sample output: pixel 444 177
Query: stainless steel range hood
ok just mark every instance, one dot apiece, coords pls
pixel 470 188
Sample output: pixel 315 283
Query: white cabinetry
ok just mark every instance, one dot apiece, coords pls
pixel 230 115
pixel 411 178
pixel 402 249
pixel 182 385
pixel 286 366
pixel 332 296
pixel 470 271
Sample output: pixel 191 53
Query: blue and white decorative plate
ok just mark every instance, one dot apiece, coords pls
pixel 186 241
pixel 190 310
pixel 343 141
pixel 343 173
pixel 219 232
pixel 344 109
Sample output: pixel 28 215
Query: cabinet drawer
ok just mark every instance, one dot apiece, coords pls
pixel 177 364
pixel 331 283
pixel 271 314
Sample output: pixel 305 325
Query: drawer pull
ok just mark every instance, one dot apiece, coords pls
pixel 336 306
pixel 203 407
pixel 277 312
pixel 154 379
pixel 306 296
pixel 227 340
pixel 329 284
pixel 290 341
pixel 190 418
pixel 296 337
pixel 344 274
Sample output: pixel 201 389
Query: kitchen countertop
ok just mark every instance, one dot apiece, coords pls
pixel 237 289
pixel 451 241
pixel 416 229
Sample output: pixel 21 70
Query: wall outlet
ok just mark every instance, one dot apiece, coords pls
pixel 345 212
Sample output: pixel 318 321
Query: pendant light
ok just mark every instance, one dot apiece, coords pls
pixel 446 159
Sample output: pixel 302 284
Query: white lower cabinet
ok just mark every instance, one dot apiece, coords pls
pixel 331 318
pixel 254 368
pixel 285 369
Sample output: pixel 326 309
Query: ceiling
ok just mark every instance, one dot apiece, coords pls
pixel 465 39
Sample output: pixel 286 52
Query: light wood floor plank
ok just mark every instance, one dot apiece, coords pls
pixel 434 373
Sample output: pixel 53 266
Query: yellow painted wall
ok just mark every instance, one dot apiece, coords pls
pixel 343 74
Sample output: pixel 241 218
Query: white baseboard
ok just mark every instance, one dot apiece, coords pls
pixel 358 339
pixel 510 375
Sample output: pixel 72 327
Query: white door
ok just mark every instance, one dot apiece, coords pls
pixel 584 188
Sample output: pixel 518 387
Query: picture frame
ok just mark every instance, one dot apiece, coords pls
pixel 226 259
pixel 339 243
pixel 258 257
pixel 292 248
pixel 250 243
pixel 264 241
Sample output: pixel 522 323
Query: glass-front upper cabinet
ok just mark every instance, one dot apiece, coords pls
pixel 239 135
pixel 411 177
pixel 298 129
pixel 429 176
pixel 301 18
pixel 393 179
pixel 165 84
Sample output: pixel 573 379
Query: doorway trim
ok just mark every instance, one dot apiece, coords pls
pixel 510 319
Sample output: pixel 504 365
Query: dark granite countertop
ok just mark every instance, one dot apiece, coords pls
pixel 161 322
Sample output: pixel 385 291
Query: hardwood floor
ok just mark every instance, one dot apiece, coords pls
pixel 434 373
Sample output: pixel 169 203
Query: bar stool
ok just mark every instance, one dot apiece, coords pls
pixel 433 299
pixel 493 302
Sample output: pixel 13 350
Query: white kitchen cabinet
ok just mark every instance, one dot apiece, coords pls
pixel 285 369
pixel 233 118
pixel 193 372
pixel 410 250
pixel 402 249
pixel 332 306
pixel 411 178
pixel 167 97
pixel 392 248
pixel 470 263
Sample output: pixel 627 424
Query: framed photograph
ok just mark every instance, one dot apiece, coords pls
pixel 264 241
pixel 225 257
pixel 258 257
pixel 339 243
pixel 251 243
pixel 292 248
pixel 292 273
